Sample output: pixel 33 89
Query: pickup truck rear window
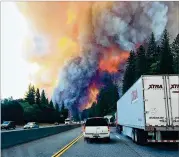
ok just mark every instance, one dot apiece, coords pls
pixel 96 122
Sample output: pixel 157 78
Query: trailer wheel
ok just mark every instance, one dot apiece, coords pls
pixel 133 135
pixel 140 137
pixel 120 129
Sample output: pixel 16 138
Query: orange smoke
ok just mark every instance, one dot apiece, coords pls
pixel 93 93
pixel 65 26
pixel 111 61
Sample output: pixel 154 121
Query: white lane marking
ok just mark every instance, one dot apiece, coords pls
pixel 118 137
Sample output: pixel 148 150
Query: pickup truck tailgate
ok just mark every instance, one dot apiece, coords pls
pixel 96 130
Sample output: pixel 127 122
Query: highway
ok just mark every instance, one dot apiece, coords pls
pixel 119 146
pixel 22 127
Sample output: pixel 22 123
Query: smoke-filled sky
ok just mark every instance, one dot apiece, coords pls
pixel 69 47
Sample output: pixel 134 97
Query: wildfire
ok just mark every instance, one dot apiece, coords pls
pixel 57 36
pixel 64 31
pixel 112 60
pixel 93 93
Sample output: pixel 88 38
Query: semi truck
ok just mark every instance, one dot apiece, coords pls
pixel 149 111
pixel 68 121
pixel 108 118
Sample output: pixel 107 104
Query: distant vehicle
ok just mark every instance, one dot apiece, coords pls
pixel 67 121
pixel 110 119
pixel 83 122
pixel 73 122
pixel 96 127
pixel 148 111
pixel 56 123
pixel 31 125
pixel 8 125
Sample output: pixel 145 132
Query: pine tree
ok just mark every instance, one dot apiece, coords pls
pixel 27 95
pixel 63 107
pixel 129 75
pixel 43 99
pixel 64 111
pixel 166 58
pixel 47 102
pixel 33 95
pixel 57 107
pixel 152 53
pixel 30 95
pixel 155 66
pixel 37 96
pixel 152 47
pixel 141 62
pixel 51 104
pixel 175 53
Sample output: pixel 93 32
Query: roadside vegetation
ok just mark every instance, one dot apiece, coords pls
pixel 34 107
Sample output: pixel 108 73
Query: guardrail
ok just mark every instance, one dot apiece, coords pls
pixel 12 138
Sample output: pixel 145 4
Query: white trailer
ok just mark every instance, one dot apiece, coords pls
pixel 149 110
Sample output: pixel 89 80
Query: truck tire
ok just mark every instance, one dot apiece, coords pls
pixel 134 135
pixel 140 137
pixel 119 129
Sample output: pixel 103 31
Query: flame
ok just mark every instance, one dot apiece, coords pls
pixel 93 93
pixel 112 60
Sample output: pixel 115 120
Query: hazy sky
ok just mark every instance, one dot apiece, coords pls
pixel 15 71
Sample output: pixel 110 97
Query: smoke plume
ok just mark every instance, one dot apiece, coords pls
pixel 77 44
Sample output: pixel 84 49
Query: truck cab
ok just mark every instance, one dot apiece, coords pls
pixel 67 121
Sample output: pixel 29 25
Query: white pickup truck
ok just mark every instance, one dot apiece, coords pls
pixel 96 128
pixel 149 111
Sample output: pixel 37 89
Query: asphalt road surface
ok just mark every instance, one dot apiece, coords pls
pixel 119 146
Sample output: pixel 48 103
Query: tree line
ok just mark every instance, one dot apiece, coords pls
pixel 152 58
pixel 34 107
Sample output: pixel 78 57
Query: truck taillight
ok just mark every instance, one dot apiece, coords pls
pixel 108 128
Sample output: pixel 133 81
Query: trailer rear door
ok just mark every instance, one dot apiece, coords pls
pixel 173 99
pixel 156 110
